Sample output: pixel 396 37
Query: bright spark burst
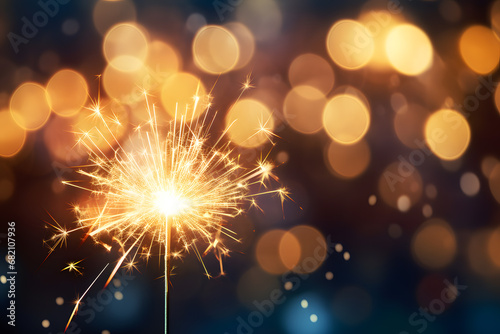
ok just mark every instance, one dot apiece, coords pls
pixel 167 180
pixel 73 266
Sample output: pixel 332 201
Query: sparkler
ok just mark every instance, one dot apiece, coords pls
pixel 164 182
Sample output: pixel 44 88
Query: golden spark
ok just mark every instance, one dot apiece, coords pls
pixel 72 266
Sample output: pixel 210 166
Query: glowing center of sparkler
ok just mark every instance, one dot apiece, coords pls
pixel 169 203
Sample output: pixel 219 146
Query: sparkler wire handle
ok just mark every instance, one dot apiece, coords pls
pixel 168 237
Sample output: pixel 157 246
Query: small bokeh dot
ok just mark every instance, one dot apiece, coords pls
pixel 347 256
pixel 329 275
pixel 304 303
pixel 3 279
pixel 59 300
pixel 313 317
pixel 288 286
pixel 118 295
pixel 45 323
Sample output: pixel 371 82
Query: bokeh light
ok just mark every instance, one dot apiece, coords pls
pixel 349 161
pixel 263 17
pixel 12 136
pixel 184 95
pixel 29 106
pixel 350 44
pixel 400 179
pixel 67 92
pixel 409 49
pixel 312 246
pixel 409 122
pixel 434 244
pixel 125 46
pixel 215 49
pixel 480 49
pixel 311 70
pixel 469 183
pixel 494 182
pixel 447 133
pixel 303 109
pixel 346 119
pixel 250 123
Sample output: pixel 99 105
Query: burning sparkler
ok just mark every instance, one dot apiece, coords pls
pixel 164 182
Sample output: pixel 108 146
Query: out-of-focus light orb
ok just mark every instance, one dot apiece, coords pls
pixel 29 106
pixel 450 10
pixel 185 95
pixel 339 248
pixel 215 49
pixel 70 27
pixel 434 244
pixel 59 301
pixel 409 123
pixel 480 49
pixel 126 87
pixel 350 44
pixel 431 191
pixel 3 279
pixel 45 323
pixel 282 157
pixel 105 332
pixel 494 182
pixel 409 50
pixel 494 247
pixel 195 22
pixel 329 276
pixel 304 303
pixel 118 295
pixel 250 123
pixel 268 252
pixel 7 182
pixel 246 42
pixel 313 318
pixel 479 256
pixel 12 136
pixel 125 47
pixel 263 17
pixel 447 133
pixel 427 211
pixel 395 231
pixel 404 203
pixel 163 59
pixel 288 286
pixel 488 164
pixel 347 256
pixel 348 161
pixel 303 109
pixel 313 248
pixel 289 250
pixel 470 185
pixel 311 70
pixel 372 200
pixel 67 92
pixel 346 119
pixel 400 179
pixel 108 13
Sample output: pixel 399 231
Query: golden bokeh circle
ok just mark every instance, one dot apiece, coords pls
pixel 12 136
pixel 29 106
pixel 184 96
pixel 215 49
pixel 268 252
pixel 494 182
pixel 434 244
pixel 313 248
pixel 249 123
pixel 408 49
pixel 480 49
pixel 311 70
pixel 125 47
pixel 346 119
pixel 246 42
pixel 303 109
pixel 447 133
pixel 350 44
pixel 348 161
pixel 67 92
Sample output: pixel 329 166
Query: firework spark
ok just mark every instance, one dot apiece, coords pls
pixel 166 182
